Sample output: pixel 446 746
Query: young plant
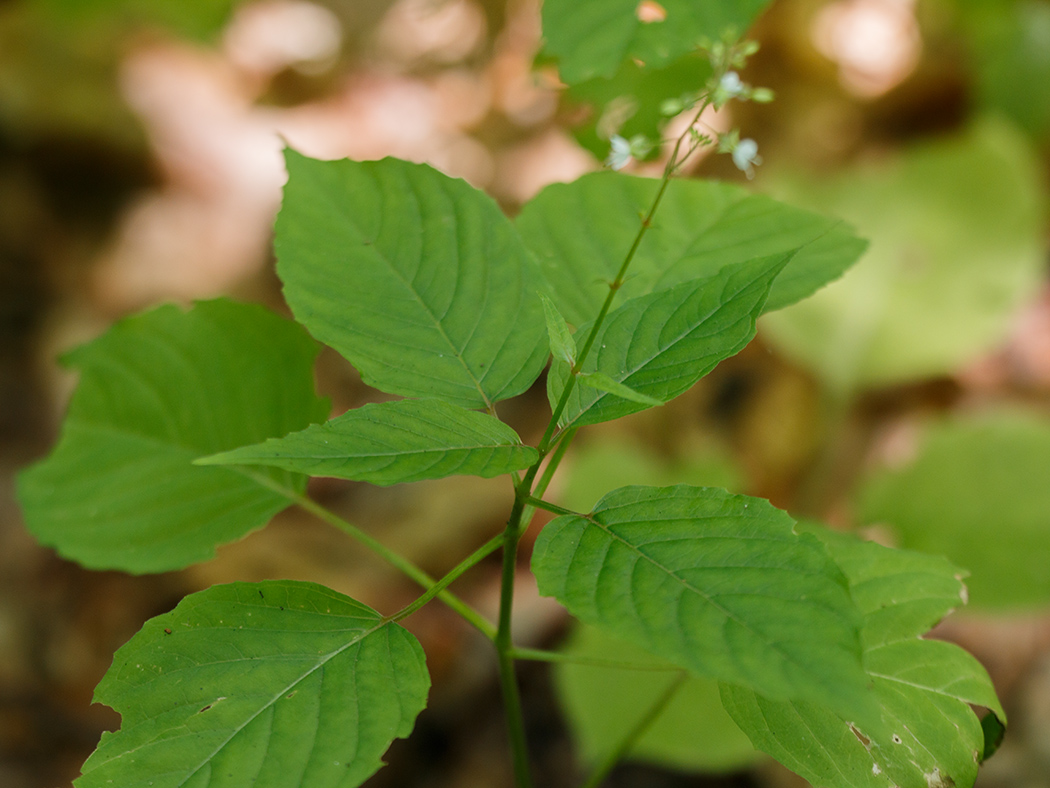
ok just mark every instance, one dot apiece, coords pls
pixel 190 429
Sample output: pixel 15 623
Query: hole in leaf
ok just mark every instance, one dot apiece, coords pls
pixel 861 737
pixel 897 739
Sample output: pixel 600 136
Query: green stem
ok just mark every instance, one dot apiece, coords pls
pixel 539 503
pixel 526 497
pixel 399 562
pixel 508 681
pixel 540 487
pixel 437 588
pixel 628 741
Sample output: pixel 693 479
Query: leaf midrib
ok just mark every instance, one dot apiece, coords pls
pixel 381 255
pixel 623 375
pixel 380 623
pixel 774 645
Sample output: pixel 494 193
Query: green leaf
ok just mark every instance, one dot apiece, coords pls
pixel 393 442
pixel 417 278
pixel 562 344
pixel 593 37
pixel 580 232
pixel 1007 41
pixel 282 684
pixel 602 382
pixel 958 246
pixel 927 735
pixel 713 582
pixel 198 19
pixel 629 102
pixel 156 392
pixel 977 492
pixel 604 703
pixel 661 344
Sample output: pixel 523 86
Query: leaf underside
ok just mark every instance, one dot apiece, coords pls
pixel 713 582
pixel 280 684
pixel 418 279
pixel 926 735
pixel 157 391
pixel 393 442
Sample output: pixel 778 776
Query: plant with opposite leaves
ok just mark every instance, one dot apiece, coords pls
pixel 190 429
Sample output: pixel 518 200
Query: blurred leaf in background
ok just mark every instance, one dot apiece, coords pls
pixel 607 462
pixel 978 492
pixel 1010 47
pixel 603 704
pixel 623 59
pixel 957 247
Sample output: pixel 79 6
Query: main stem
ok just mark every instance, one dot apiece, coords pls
pixel 524 493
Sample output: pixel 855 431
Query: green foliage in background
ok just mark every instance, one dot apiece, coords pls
pixel 1009 48
pixel 156 392
pixel 956 248
pixel 602 703
pixel 977 492
pixel 189 428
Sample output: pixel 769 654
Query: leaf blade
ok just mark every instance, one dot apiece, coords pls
pixel 602 382
pixel 280 683
pixel 713 582
pixel 157 391
pixel 562 344
pixel 592 37
pixel 579 232
pixel 660 345
pixel 926 733
pixel 392 443
pixel 416 278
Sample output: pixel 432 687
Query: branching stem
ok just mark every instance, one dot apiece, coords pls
pixel 526 497
pixel 399 562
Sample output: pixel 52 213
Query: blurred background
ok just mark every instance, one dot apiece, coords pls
pixel 140 163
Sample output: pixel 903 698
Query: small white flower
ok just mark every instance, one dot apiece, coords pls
pixel 745 156
pixel 731 85
pixel 620 154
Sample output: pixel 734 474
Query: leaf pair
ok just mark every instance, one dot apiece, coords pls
pixel 816 642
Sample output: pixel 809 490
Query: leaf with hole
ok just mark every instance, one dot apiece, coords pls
pixel 279 683
pixel 418 279
pixel 713 582
pixel 393 442
pixel 156 392
pixel 661 344
pixel 926 734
